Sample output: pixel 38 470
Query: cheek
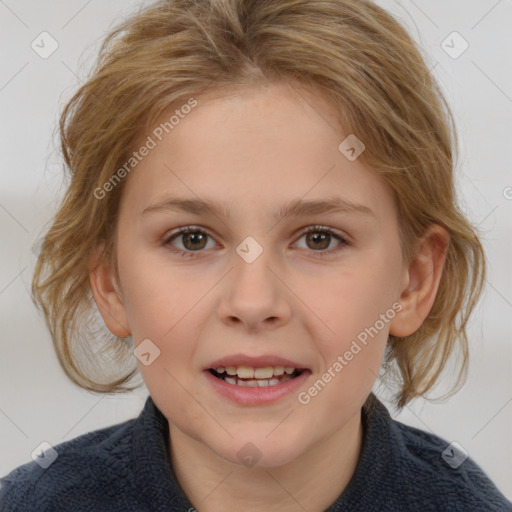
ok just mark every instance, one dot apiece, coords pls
pixel 350 359
pixel 357 309
pixel 355 298
pixel 155 295
pixel 164 306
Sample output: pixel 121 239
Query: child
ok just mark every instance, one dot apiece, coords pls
pixel 261 129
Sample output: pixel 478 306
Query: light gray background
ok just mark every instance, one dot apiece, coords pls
pixel 38 403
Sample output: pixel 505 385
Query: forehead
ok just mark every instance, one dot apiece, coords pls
pixel 257 148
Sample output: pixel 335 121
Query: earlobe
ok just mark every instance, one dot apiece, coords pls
pixel 106 294
pixel 421 282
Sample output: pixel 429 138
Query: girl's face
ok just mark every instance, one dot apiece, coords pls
pixel 249 281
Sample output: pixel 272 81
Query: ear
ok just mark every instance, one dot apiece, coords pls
pixel 106 294
pixel 421 282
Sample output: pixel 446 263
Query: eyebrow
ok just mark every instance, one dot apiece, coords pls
pixel 294 208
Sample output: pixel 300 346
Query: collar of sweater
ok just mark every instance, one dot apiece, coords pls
pixel 150 457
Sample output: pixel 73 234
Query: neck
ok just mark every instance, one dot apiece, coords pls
pixel 312 481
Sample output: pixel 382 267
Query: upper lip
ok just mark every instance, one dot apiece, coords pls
pixel 255 362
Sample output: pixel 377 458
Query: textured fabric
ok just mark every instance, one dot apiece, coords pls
pixel 127 468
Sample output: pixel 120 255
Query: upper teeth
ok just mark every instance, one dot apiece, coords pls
pixel 246 372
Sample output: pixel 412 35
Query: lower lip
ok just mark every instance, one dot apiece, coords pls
pixel 256 396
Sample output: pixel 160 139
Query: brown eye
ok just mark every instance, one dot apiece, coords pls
pixel 194 241
pixel 318 239
pixel 187 241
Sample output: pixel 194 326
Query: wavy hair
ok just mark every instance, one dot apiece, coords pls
pixel 353 52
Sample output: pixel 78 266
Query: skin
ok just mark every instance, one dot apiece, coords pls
pixel 256 150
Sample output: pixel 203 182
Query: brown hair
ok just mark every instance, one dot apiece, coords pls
pixel 356 54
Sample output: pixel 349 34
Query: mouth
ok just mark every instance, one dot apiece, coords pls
pixel 246 376
pixel 256 386
pixel 250 380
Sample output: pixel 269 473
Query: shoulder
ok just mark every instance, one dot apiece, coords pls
pixel 442 473
pixel 81 468
pixel 405 468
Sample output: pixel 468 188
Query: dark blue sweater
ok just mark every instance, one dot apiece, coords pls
pixel 127 468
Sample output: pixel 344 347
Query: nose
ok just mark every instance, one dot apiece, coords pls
pixel 254 295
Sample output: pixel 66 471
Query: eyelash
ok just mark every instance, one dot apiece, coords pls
pixel 315 229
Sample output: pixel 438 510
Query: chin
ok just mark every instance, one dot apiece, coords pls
pixel 259 452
